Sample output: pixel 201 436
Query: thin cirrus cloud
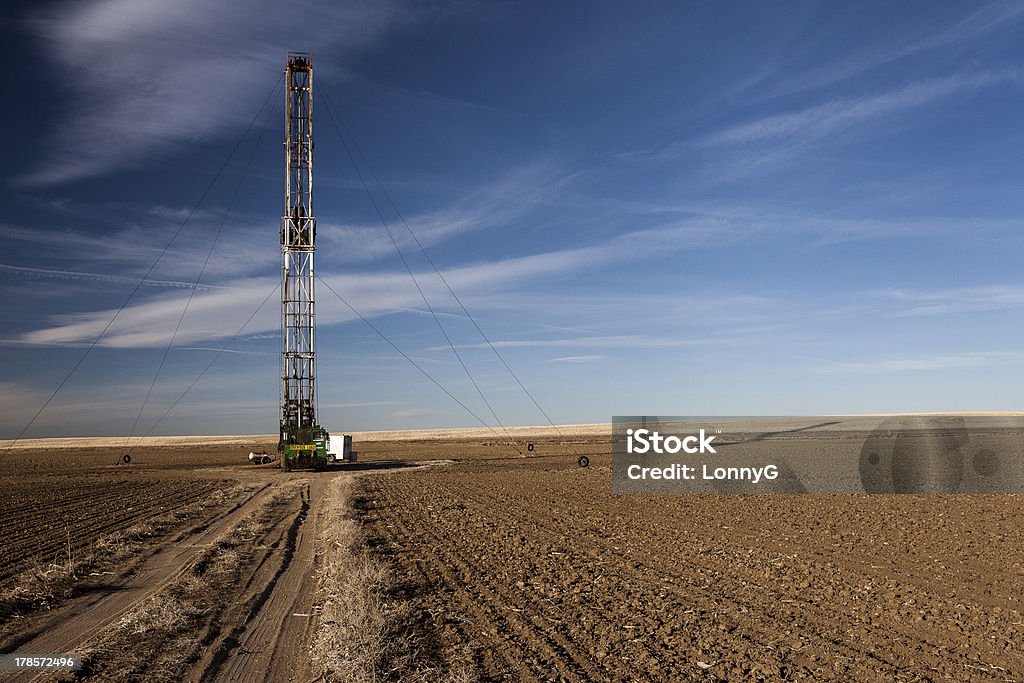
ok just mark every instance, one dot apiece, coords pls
pixel 982 22
pixel 252 240
pixel 217 314
pixel 212 314
pixel 630 341
pixel 832 118
pixel 928 363
pixel 779 137
pixel 495 204
pixel 150 75
pixel 26 271
pixel 140 243
pixel 952 301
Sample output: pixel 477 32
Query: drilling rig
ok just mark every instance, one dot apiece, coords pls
pixel 303 442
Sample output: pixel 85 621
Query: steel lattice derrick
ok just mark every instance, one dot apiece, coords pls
pixel 298 236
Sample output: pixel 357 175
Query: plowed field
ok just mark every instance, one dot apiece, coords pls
pixel 46 519
pixel 509 567
pixel 544 574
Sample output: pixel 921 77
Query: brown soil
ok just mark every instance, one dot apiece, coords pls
pixel 524 566
pixel 545 574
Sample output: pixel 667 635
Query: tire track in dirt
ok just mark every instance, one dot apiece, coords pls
pixel 274 620
pixel 82 622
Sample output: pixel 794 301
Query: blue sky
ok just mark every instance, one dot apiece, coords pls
pixel 678 208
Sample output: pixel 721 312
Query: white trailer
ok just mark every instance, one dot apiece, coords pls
pixel 339 449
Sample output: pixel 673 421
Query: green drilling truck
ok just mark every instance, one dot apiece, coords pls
pixel 305 449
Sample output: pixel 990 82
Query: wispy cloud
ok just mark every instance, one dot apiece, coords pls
pixel 828 119
pixel 770 80
pixel 779 137
pixel 951 301
pixel 494 204
pixel 221 349
pixel 612 341
pixel 150 75
pixel 212 315
pixel 96 277
pixel 133 246
pixel 149 323
pixel 982 22
pixel 215 314
pixel 414 412
pixel 577 359
pixel 249 245
pixel 772 139
pixel 936 362
pixel 359 404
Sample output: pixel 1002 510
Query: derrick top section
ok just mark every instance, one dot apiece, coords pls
pixel 300 61
pixel 298 229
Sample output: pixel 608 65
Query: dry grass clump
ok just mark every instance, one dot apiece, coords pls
pixel 40 587
pixel 122 544
pixel 364 636
pixel 169 615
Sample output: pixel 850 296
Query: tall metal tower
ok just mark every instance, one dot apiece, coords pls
pixel 298 236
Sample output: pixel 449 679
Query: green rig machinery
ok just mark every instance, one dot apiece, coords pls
pixel 307 449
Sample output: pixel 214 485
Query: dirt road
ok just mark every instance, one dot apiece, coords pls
pixel 256 611
pixel 269 626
